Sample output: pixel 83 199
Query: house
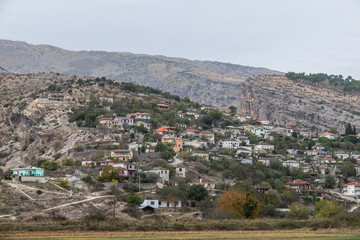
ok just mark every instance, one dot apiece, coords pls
pixel 144 116
pixel 207 107
pixel 242 117
pixel 299 185
pixel 342 155
pixel 206 183
pixel 178 144
pixel 351 189
pixel 97 162
pixel 230 144
pixel 265 160
pixel 330 136
pixel 201 154
pixel 163 107
pixel 291 164
pixel 192 132
pixel 168 139
pixel 163 173
pixel 134 146
pixel 327 160
pixel 107 99
pixel 123 155
pixel 263 121
pixel 265 146
pixel 261 188
pixel 248 161
pixel 260 132
pixel 244 150
pixel 198 144
pixel 186 142
pixel 225 111
pixel 165 131
pixel 128 168
pixel 244 140
pixel 180 171
pixel 155 203
pixel 122 121
pixel 35 172
pixel 210 136
pixel 144 124
pixel 108 122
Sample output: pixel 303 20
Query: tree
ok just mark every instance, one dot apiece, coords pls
pixel 134 200
pixel 239 204
pixel 299 211
pixel 64 183
pixel 326 208
pixel 50 165
pixel 348 169
pixel 197 193
pixel 233 109
pixel 67 162
pixel 330 181
pixel 109 173
pixel 160 147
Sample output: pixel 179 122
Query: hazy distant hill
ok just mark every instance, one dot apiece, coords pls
pixel 259 92
pixel 200 80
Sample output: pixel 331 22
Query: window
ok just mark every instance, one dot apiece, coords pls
pixel 160 203
pixel 168 204
pixel 152 203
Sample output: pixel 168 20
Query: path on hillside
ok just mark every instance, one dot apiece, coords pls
pixel 81 201
pixel 177 161
pixel 347 198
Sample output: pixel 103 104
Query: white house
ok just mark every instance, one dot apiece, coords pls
pixel 107 99
pixel 244 150
pixel 230 144
pixel 155 203
pixel 106 122
pixel 122 121
pixel 264 146
pixel 351 189
pixel 328 135
pixel 144 124
pixel 180 171
pixel 144 116
pixel 248 161
pixel 207 184
pixel 163 173
pixel 291 164
pixel 342 155
pixel 263 121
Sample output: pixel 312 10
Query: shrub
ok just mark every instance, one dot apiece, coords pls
pixel 298 211
pixel 95 214
pixel 38 192
pixel 64 183
pixel 68 162
pixel 135 200
pixel 326 208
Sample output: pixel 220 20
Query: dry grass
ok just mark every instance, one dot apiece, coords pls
pixel 294 234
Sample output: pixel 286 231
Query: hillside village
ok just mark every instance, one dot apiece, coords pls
pixel 154 152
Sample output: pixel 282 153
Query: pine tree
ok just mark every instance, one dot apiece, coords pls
pixel 348 129
pixel 354 130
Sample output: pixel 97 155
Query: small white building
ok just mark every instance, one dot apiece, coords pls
pixel 163 173
pixel 230 144
pixel 144 124
pixel 107 99
pixel 207 184
pixel 138 115
pixel 248 161
pixel 265 146
pixel 180 171
pixel 351 189
pixel 342 155
pixel 291 164
pixel 122 121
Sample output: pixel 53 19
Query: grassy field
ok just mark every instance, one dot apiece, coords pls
pixel 193 235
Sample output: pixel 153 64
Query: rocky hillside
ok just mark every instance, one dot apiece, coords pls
pixel 259 92
pixel 203 81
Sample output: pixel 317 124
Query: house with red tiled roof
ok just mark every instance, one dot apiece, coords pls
pixel 225 111
pixel 166 130
pixel 163 107
pixel 351 189
pixel 299 185
pixel 138 115
pixel 328 135
pixel 106 122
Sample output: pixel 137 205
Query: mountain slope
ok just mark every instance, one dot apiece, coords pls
pixel 200 80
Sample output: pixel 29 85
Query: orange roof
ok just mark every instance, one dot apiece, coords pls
pixel 163 105
pixel 327 134
pixel 329 159
pixel 223 108
pixel 137 114
pixel 163 129
pixel 207 132
pixel 261 119
pixel 124 118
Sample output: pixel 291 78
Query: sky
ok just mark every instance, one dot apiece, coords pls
pixel 285 35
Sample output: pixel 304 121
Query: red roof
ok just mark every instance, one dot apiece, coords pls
pixel 163 105
pixel 223 108
pixel 192 130
pixel 298 182
pixel 207 132
pixel 110 119
pixel 352 183
pixel 262 120
pixel 329 159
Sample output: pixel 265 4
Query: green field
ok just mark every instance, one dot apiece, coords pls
pixel 194 235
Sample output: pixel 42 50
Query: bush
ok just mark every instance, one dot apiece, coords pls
pixel 67 162
pixel 95 214
pixel 298 211
pixel 38 192
pixel 50 165
pixel 135 200
pixel 327 208
pixel 130 188
pixel 64 183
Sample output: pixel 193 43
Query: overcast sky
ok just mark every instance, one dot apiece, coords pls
pixel 285 35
